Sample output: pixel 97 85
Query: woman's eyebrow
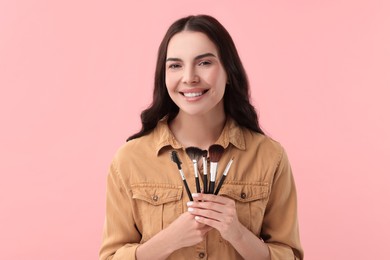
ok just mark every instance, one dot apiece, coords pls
pixel 201 56
pixel 209 54
pixel 172 59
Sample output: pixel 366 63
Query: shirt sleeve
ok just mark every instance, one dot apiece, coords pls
pixel 120 235
pixel 280 226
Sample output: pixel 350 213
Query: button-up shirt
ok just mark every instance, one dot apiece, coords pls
pixel 145 193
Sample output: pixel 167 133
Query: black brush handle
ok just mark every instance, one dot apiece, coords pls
pixel 205 190
pixel 212 184
pixel 220 184
pixel 188 190
pixel 197 184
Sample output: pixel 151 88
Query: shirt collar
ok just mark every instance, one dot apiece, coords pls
pixel 231 134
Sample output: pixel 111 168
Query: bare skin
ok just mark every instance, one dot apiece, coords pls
pixel 187 130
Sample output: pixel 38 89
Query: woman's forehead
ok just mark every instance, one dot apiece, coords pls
pixel 188 44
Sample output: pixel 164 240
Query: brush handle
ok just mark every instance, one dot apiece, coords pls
pixel 196 176
pixel 205 181
pixel 220 184
pixel 225 172
pixel 197 184
pixel 186 185
pixel 213 175
pixel 188 190
pixel 212 184
pixel 213 171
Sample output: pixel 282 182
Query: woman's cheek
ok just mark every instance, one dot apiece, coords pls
pixel 171 82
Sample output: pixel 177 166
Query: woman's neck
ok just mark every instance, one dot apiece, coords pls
pixel 200 131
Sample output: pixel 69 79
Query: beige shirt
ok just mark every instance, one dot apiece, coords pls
pixel 145 193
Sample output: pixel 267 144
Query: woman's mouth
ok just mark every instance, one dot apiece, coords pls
pixel 193 94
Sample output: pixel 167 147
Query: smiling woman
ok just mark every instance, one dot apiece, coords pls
pixel 201 100
pixel 195 77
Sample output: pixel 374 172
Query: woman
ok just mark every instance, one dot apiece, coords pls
pixel 201 98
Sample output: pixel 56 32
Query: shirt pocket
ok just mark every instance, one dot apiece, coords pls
pixel 157 205
pixel 251 200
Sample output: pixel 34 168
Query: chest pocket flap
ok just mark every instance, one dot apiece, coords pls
pixel 156 194
pixel 245 192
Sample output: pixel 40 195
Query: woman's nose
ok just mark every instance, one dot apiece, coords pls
pixel 190 76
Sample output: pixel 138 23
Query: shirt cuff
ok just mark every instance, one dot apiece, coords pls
pixel 279 252
pixel 126 252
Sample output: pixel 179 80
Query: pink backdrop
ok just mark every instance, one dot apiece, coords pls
pixel 74 76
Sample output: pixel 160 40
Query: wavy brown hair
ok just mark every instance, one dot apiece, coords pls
pixel 236 98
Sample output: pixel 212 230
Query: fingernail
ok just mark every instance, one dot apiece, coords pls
pixel 190 209
pixel 195 195
pixel 197 218
pixel 189 203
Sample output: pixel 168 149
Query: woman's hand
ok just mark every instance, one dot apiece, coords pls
pixel 183 232
pixel 186 231
pixel 217 212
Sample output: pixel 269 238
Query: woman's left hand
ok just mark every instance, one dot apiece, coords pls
pixel 218 212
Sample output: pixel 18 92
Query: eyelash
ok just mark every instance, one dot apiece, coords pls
pixel 204 63
pixel 177 66
pixel 174 66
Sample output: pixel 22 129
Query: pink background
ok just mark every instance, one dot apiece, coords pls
pixel 75 75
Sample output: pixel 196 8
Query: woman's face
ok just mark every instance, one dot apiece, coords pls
pixel 194 75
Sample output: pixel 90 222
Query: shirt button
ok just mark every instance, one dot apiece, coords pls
pixel 243 195
pixel 201 255
pixel 155 198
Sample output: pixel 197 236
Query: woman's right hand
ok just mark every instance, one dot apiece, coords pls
pixel 183 232
pixel 186 231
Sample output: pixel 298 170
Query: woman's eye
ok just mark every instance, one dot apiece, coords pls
pixel 174 66
pixel 204 63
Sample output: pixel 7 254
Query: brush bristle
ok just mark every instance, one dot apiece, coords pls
pixel 215 152
pixel 175 158
pixel 204 153
pixel 194 153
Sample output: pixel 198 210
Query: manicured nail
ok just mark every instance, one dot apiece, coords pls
pixel 190 209
pixel 194 195
pixel 189 203
pixel 197 218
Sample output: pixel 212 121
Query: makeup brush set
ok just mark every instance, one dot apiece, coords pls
pixel 215 153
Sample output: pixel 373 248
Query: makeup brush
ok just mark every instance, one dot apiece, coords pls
pixel 195 153
pixel 215 152
pixel 204 158
pixel 175 159
pixel 225 172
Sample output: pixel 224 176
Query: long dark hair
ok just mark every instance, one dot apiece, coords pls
pixel 236 97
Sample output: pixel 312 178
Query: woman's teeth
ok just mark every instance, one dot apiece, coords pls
pixel 197 94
